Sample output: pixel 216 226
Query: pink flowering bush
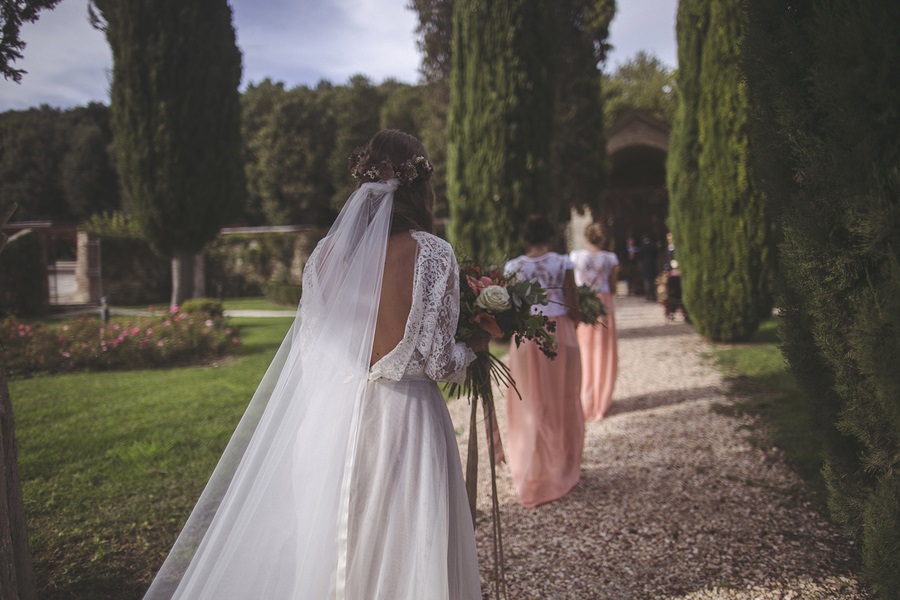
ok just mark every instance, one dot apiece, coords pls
pixel 162 338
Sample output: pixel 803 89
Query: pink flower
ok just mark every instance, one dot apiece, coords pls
pixel 65 328
pixel 149 332
pixel 166 323
pixel 208 323
pixel 235 341
pixel 160 343
pixel 488 324
pixel 173 310
pixel 135 330
pixel 21 333
pixel 66 355
pixel 117 327
pixel 476 285
pixel 228 331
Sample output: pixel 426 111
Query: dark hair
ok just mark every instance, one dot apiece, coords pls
pixel 413 203
pixel 539 230
pixel 596 234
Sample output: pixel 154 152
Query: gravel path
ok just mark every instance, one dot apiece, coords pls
pixel 673 502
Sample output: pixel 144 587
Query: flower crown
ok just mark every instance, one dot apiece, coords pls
pixel 417 167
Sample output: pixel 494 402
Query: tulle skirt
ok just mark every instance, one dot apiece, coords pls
pixel 599 362
pixel 410 531
pixel 401 524
pixel 545 428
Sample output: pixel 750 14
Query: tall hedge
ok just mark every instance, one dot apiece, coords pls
pixel 500 122
pixel 823 78
pixel 23 276
pixel 718 216
pixel 175 114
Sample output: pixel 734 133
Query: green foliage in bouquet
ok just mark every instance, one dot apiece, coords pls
pixel 591 308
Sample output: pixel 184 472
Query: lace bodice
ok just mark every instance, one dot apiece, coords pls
pixel 550 271
pixel 428 348
pixel 594 268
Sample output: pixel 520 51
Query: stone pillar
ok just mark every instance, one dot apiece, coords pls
pixel 88 284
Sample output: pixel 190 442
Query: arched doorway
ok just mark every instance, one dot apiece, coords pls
pixel 637 201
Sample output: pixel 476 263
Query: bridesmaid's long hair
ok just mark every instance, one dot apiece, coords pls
pixel 414 202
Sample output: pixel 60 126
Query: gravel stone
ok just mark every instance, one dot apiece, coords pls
pixel 674 500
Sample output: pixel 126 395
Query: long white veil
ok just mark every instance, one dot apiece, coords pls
pixel 268 523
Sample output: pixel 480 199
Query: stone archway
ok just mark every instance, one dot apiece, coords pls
pixel 637 201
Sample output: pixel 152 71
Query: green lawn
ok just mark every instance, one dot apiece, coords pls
pixel 113 462
pixel 255 304
pixel 760 377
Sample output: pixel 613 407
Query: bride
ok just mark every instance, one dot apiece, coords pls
pixel 342 480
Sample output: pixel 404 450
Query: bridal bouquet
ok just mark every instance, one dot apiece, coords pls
pixel 493 306
pixel 590 306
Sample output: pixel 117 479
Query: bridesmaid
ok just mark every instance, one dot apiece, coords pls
pixel 545 428
pixel 599 269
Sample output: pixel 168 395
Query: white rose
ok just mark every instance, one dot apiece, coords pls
pixel 493 298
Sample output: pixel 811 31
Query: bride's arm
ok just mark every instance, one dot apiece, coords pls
pixel 445 358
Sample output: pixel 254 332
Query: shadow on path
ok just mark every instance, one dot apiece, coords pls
pixel 662 398
pixel 665 330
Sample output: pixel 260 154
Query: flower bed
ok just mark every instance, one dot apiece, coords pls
pixel 161 338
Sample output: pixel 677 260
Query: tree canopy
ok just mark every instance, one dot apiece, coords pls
pixel 641 83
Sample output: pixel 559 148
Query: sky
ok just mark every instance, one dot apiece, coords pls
pixel 298 42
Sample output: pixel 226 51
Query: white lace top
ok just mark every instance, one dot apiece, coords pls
pixel 593 268
pixel 550 271
pixel 428 348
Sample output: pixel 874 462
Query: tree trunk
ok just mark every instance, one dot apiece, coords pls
pixel 182 276
pixel 16 578
pixel 199 275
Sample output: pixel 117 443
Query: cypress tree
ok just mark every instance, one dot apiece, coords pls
pixel 717 214
pixel 500 122
pixel 822 77
pixel 175 113
pixel 579 143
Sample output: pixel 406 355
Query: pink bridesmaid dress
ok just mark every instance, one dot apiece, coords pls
pixel 545 428
pixel 598 343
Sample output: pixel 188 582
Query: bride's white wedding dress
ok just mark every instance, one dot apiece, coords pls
pixel 343 481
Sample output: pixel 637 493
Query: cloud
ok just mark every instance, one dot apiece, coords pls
pixel 303 42
pixel 67 61
pixel 643 25
pixel 298 42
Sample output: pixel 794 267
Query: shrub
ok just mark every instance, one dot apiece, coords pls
pixel 207 306
pixel 156 340
pixel 132 272
pixel 22 276
pixel 284 293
